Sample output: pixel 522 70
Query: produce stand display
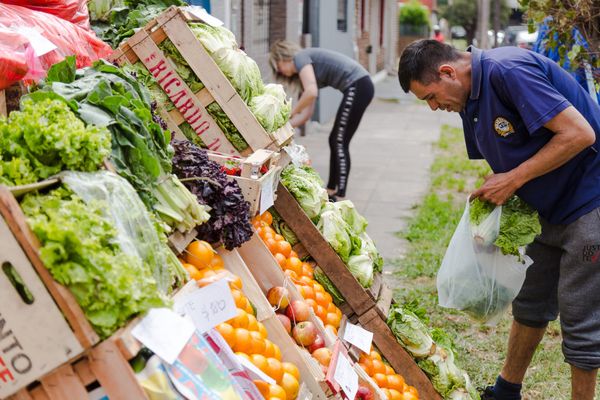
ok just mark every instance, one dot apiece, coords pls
pixel 191 107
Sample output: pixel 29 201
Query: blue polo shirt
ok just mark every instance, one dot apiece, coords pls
pixel 514 93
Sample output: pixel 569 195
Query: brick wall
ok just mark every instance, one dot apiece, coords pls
pixel 277 21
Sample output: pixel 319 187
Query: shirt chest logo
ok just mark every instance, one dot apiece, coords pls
pixel 503 127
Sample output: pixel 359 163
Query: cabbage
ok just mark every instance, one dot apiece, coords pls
pixel 443 372
pixel 361 267
pixel 368 247
pixel 335 231
pixel 242 72
pixel 348 212
pixel 213 38
pixel 307 188
pixel 410 332
pixel 271 109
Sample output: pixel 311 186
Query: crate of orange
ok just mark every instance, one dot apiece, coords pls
pixel 253 334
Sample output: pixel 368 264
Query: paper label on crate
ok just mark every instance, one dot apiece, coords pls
pixel 200 13
pixel 254 372
pixel 304 392
pixel 210 305
pixel 164 332
pixel 358 336
pixel 267 194
pixel 39 43
pixel 346 376
pixel 98 394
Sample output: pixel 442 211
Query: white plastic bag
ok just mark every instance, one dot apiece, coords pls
pixel 475 276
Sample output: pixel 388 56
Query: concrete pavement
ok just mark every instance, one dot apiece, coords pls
pixel 391 155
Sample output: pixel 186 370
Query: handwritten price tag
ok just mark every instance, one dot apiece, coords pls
pixel 358 336
pixel 267 194
pixel 210 306
pixel 164 332
pixel 346 376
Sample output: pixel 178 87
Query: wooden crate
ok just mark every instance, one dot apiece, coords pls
pixel 9 98
pixel 41 331
pixel 251 181
pixel 102 369
pixel 191 107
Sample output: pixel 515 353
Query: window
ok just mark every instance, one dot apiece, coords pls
pixel 342 15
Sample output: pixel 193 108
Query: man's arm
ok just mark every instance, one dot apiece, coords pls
pixel 310 90
pixel 572 134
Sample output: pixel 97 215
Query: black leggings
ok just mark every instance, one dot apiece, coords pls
pixel 356 99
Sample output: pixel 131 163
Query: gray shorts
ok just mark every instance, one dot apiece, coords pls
pixel 565 279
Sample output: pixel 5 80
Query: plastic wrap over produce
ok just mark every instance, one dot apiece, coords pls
pixel 74 11
pixel 32 41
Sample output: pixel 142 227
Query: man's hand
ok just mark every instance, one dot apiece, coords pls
pixel 497 188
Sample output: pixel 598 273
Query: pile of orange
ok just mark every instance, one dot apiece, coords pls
pixel 301 273
pixel 244 333
pixel 391 383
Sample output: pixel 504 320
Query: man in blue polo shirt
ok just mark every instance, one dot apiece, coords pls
pixel 538 129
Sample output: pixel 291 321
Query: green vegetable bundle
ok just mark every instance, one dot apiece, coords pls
pixel 79 246
pixel 45 138
pixel 305 184
pixel 105 95
pixel 519 223
pixel 272 108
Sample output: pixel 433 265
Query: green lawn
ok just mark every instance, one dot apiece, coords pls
pixel 480 349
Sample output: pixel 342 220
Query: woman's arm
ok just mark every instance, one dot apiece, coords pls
pixel 300 118
pixel 310 90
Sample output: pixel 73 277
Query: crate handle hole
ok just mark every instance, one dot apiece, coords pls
pixel 17 282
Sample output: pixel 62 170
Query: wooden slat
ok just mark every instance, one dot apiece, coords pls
pixel 375 286
pixel 64 384
pixel 3 110
pixel 179 241
pixel 128 345
pixel 151 56
pixel 213 79
pixel 84 372
pixel 203 96
pixel 22 394
pixel 384 301
pixel 10 210
pixel 321 251
pixel 114 373
pixel 398 358
pixel 39 394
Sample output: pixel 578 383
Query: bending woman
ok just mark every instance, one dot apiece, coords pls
pixel 317 68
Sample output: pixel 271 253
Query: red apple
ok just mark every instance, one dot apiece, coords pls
pixel 304 333
pixel 278 297
pixel 298 311
pixel 285 321
pixel 364 393
pixel 317 344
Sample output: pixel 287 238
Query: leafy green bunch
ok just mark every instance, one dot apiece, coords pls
pixel 45 138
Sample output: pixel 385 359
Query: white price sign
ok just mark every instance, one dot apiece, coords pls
pixel 164 332
pixel 267 194
pixel 210 305
pixel 358 336
pixel 346 376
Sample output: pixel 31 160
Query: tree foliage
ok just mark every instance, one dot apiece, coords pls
pixel 414 13
pixel 566 14
pixel 465 12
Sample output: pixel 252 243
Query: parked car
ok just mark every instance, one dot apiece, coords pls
pixel 458 32
pixel 518 35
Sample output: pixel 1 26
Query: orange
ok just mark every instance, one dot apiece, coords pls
pixel 249 309
pixel 269 348
pixel 267 218
pixel 206 273
pixel 409 396
pixel 252 323
pixel 281 260
pixel 389 370
pixel 257 345
pixel 318 288
pixel 273 246
pixel 246 356
pixel 305 280
pixel 365 368
pixel 331 308
pixel 321 299
pixel 291 369
pixel 277 352
pixel 294 264
pixel 306 292
pixel 262 330
pixel 378 367
pixel 375 355
pixel 332 319
pixel 240 320
pixel 321 313
pixel 277 392
pixel 307 269
pixel 278 237
pixel 192 270
pixel 396 381
pixel 293 254
pixel 228 333
pixel 396 395
pixel 260 361
pixel 263 387
pixel 290 384
pixel 364 357
pixel 235 281
pixel 323 356
pixel 216 262
pixel 412 390
pixel 332 328
pixel 386 392
pixel 284 248
pixel 242 340
pixel 380 379
pixel 274 369
pixel 199 253
pixel 328 298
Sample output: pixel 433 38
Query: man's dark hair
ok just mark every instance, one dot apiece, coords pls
pixel 421 59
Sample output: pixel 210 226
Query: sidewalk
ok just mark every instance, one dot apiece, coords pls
pixel 391 154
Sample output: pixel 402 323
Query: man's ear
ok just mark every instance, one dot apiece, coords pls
pixel 447 70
